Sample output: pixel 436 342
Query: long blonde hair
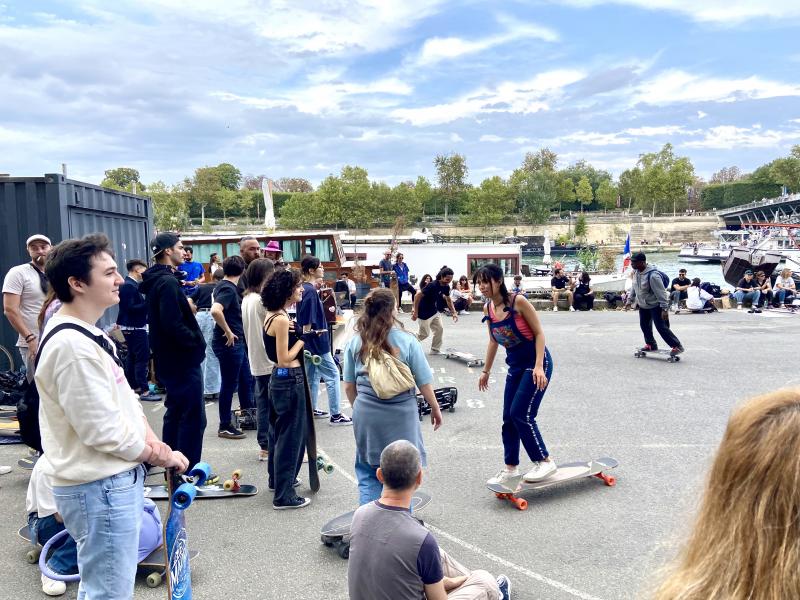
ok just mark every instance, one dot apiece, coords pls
pixel 746 540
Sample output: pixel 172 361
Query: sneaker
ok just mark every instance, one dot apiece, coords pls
pixel 298 502
pixel 571 308
pixel 434 352
pixel 296 483
pixel 504 477
pixel 738 307
pixel 648 348
pixel 263 455
pixel 752 310
pixel 320 414
pixel 464 312
pixel 677 310
pixel 340 419
pixel 51 587
pixel 505 587
pixel 677 350
pixel 230 432
pixel 540 470
pixel 5 469
pixel 555 309
pixel 150 397
pixel 756 310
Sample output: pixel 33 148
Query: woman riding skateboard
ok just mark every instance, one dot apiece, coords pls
pixel 514 324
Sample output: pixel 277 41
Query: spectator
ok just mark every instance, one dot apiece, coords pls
pixel 401 271
pixel 462 300
pixel 24 290
pixel 426 308
pixel 94 433
pixel 746 290
pixel 745 542
pixel 249 250
pixel 426 279
pixel 386 540
pixel 517 287
pixel 253 316
pixel 229 346
pixel 562 285
pixel 214 264
pixel 380 421
pixel 132 320
pixel 678 289
pixel 785 288
pixel 764 286
pixel 195 274
pixel 273 252
pixel 386 269
pixel 210 365
pixel 351 290
pixel 584 295
pixel 698 299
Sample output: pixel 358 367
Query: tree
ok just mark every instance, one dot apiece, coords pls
pixel 406 203
pixel 302 211
pixel 293 184
pixel 534 193
pixel 489 203
pixel 123 178
pixel 786 171
pixel 204 188
pixel 583 192
pixel 229 176
pixel 170 207
pixel 726 175
pixel 581 227
pixel 451 171
pixel 541 160
pixel 227 200
pixel 565 191
pixel 659 181
pixel 423 192
pixel 606 195
pixel 250 202
pixel 252 182
pixel 581 169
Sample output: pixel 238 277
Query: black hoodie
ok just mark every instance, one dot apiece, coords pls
pixel 175 336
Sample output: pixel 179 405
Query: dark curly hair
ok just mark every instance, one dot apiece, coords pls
pixel 279 288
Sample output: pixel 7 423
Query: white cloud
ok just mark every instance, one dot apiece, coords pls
pixel 508 97
pixel 715 11
pixel 590 138
pixel 673 86
pixel 659 130
pixel 701 114
pixel 455 138
pixel 730 137
pixel 492 138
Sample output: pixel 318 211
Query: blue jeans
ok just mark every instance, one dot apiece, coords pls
pixel 236 377
pixel 329 372
pixel 753 297
pixel 210 366
pixel 137 360
pixel 287 421
pixel 64 559
pixel 783 296
pixel 103 517
pixel 261 393
pixel 521 402
pixel 185 417
pixel 369 488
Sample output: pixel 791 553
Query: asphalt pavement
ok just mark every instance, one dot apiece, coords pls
pixel 662 421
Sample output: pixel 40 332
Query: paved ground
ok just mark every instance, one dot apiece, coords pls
pixel 662 421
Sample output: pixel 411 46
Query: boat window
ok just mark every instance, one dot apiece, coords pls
pixel 291 250
pixel 202 252
pixel 508 264
pixel 231 249
pixel 322 248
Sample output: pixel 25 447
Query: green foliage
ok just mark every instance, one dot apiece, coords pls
pixel 565 192
pixel 606 195
pixel 534 193
pixel 543 159
pixel 587 258
pixel 123 178
pixel 489 203
pixel 229 176
pixel 576 172
pixel 583 192
pixel 787 170
pixel 451 173
pixel 739 192
pixel 659 181
pixel 170 207
pixel 581 227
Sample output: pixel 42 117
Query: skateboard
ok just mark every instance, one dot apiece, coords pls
pixel 467 358
pixel 336 532
pixel 446 396
pixel 311 434
pixel 566 472
pixel 28 462
pixel 152 562
pixel 314 359
pixel 665 353
pixel 205 491
pixel 246 418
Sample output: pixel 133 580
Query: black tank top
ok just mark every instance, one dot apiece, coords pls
pixel 270 341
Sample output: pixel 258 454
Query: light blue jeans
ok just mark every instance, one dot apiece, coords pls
pixel 103 517
pixel 329 372
pixel 212 380
pixel 369 488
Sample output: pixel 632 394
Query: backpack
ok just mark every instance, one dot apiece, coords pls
pixel 664 278
pixel 28 405
pixel 711 288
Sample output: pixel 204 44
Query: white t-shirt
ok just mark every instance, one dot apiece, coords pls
pixel 351 286
pixel 24 281
pixel 786 283
pixel 696 298
pixel 91 421
pixel 40 497
pixel 253 315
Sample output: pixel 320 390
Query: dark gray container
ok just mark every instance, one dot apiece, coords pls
pixel 61 208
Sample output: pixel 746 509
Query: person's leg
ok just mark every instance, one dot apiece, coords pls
pixel 646 325
pixel 313 382
pixel 438 333
pixel 369 488
pixel 739 297
pixel 589 300
pixel 663 329
pixel 185 415
pixel 510 434
pixel 780 295
pixel 230 361
pixel 261 393
pixel 554 297
pixel 424 328
pixel 244 387
pixel 104 518
pixel 329 372
pixel 524 408
pixel 142 361
pixel 480 585
pixel 288 403
pixel 64 557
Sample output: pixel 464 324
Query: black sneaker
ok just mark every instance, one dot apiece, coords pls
pixel 298 502
pixel 230 432
pixel 340 419
pixel 296 483
pixel 320 414
pixel 676 350
pixel 756 310
pixel 505 587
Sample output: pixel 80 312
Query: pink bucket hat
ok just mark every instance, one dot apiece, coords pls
pixel 273 246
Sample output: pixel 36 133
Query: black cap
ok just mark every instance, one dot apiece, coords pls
pixel 639 257
pixel 163 241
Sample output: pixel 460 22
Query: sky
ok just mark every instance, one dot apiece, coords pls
pixel 301 88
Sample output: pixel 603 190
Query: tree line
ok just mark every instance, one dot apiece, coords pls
pixel 660 183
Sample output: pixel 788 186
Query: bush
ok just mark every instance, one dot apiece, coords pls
pixel 725 195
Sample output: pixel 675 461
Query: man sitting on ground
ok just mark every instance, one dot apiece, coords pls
pixel 747 289
pixel 678 289
pixel 562 286
pixel 393 556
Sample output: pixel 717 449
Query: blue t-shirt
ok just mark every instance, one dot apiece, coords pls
pixel 409 351
pixel 193 270
pixel 402 272
pixel 311 312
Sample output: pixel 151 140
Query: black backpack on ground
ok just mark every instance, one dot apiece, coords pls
pixel 28 405
pixel 711 288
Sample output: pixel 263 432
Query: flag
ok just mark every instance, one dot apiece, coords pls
pixel 626 253
pixel 269 212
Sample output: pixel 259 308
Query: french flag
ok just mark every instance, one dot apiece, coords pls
pixel 626 253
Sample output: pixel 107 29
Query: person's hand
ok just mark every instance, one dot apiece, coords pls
pixel 413 315
pixel 483 381
pixel 539 378
pixel 230 338
pixel 33 346
pixel 664 315
pixel 455 317
pixel 436 417
pixel 451 583
pixel 159 453
pixel 177 461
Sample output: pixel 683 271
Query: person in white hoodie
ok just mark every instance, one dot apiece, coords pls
pixel 94 433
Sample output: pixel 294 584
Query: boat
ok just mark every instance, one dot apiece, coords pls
pixel 744 259
pixel 533 245
pixel 772 237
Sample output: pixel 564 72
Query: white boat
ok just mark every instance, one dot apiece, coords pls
pixel 775 237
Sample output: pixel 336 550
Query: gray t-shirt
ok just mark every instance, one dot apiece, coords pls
pixel 25 282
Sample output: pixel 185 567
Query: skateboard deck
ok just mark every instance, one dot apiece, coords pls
pixel 316 463
pixel 467 358
pixel 204 492
pixel 664 353
pixel 28 462
pixel 446 396
pixel 566 472
pixel 335 533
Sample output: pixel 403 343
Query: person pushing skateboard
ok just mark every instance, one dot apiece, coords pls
pixel 652 298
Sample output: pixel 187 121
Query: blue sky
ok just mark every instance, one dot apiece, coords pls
pixel 298 89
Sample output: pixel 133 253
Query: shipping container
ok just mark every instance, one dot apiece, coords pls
pixel 61 208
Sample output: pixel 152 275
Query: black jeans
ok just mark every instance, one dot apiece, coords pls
pixel 185 417
pixel 287 421
pixel 581 300
pixel 261 393
pixel 137 360
pixel 234 368
pixel 648 316
pixel 405 287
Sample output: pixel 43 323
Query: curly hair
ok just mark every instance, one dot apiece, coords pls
pixel 279 288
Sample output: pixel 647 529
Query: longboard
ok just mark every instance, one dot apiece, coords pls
pixel 316 463
pixel 28 462
pixel 336 532
pixel 446 397
pixel 566 472
pixel 467 358
pixel 665 353
pixel 204 492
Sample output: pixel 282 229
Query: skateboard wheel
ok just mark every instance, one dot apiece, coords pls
pixel 610 480
pixel 33 555
pixel 326 540
pixel 343 550
pixel 201 472
pixel 521 503
pixel 228 485
pixel 154 580
pixel 237 474
pixel 184 495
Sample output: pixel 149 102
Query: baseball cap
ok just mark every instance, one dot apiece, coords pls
pixel 163 241
pixel 38 237
pixel 748 272
pixel 638 257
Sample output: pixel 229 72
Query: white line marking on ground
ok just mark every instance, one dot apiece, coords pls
pixel 157 407
pixel 488 555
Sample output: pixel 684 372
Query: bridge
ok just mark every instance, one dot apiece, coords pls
pixel 784 209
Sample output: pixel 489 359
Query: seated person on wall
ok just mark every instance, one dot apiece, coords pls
pixel 562 286
pixel 785 288
pixel 747 290
pixel 584 295
pixel 677 289
pixel 698 299
pixel 394 557
pixel 765 287
pixel 517 287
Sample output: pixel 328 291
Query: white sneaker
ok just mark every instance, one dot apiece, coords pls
pixel 263 455
pixel 571 308
pixel 555 309
pixel 51 587
pixel 504 477
pixel 540 470
pixel 4 469
pixel 739 307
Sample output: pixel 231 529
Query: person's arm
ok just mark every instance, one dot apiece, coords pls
pixel 218 314
pixel 682 288
pixel 280 327
pixel 532 319
pixel 435 591
pixel 491 352
pixel 452 307
pixel 657 285
pixel 14 315
pixel 171 318
pixel 349 372
pixel 417 299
